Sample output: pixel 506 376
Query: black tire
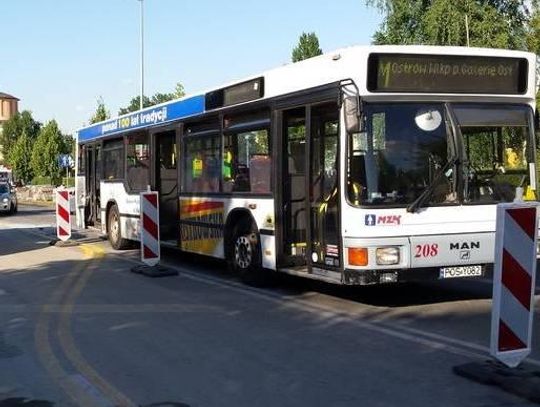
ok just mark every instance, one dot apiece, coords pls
pixel 245 254
pixel 114 230
pixel 12 209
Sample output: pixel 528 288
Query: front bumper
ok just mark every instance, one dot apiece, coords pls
pixel 371 277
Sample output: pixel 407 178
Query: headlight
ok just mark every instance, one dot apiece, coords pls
pixel 5 200
pixel 387 256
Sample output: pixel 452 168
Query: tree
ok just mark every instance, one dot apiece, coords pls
pixel 46 150
pixel 21 154
pixel 101 112
pixel 308 47
pixel 156 99
pixel 492 23
pixel 179 91
pixel 14 128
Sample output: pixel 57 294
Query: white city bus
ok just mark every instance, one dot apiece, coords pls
pixel 367 165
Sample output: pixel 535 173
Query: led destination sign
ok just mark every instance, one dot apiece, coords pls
pixel 446 74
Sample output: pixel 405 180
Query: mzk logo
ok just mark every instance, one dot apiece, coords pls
pixel 382 220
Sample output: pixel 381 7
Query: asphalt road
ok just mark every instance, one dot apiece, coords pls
pixel 78 328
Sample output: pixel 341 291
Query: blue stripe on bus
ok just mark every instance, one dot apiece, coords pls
pixel 145 118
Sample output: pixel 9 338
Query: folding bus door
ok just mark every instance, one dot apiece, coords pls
pixel 166 183
pixel 309 188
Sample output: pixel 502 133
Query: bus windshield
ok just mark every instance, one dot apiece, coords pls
pixel 496 141
pixel 401 152
pixel 409 147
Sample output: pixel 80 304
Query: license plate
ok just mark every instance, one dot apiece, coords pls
pixel 460 271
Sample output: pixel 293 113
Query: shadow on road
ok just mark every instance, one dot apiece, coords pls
pixel 20 402
pixel 391 295
pixel 14 241
pixel 35 211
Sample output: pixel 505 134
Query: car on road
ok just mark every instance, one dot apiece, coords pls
pixel 8 198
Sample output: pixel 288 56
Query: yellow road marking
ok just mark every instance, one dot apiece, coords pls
pixel 93 251
pixel 45 352
pixel 74 355
pixel 78 394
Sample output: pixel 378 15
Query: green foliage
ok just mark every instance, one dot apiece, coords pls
pixel 492 23
pixel 156 99
pixel 20 156
pixel 101 112
pixel 13 128
pixel 42 181
pixel 49 144
pixel 308 47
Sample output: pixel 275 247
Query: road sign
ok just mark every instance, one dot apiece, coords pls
pixel 150 251
pixel 63 215
pixel 514 282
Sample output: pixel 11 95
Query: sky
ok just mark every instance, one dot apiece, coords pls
pixel 60 56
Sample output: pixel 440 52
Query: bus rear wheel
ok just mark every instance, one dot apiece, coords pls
pixel 114 230
pixel 245 254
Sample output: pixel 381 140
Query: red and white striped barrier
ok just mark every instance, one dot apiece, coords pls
pixel 514 282
pixel 63 215
pixel 150 250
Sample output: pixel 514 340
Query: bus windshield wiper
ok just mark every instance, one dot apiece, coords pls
pixel 418 202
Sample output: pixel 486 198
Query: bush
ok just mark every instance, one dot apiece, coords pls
pixel 42 181
pixel 67 182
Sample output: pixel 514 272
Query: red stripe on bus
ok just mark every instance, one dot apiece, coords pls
pixel 525 218
pixel 150 226
pixel 202 206
pixel 152 198
pixel 516 279
pixel 508 339
pixel 63 213
pixel 62 231
pixel 149 254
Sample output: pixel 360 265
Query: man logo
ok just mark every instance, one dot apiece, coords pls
pixel 465 255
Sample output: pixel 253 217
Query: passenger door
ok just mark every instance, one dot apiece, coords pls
pixel 309 189
pixel 93 177
pixel 166 182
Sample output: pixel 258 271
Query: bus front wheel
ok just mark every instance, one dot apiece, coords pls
pixel 115 230
pixel 245 254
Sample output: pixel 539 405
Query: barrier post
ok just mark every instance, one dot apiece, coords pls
pixel 63 215
pixel 514 282
pixel 514 276
pixel 150 239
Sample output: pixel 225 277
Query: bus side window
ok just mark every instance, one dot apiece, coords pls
pixel 202 170
pixel 247 162
pixel 138 169
pixel 113 159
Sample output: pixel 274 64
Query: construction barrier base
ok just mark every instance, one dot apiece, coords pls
pixel 67 243
pixel 154 271
pixel 522 381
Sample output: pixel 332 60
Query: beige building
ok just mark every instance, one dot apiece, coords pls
pixel 9 106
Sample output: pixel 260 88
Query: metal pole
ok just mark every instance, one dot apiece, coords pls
pixel 467 29
pixel 142 55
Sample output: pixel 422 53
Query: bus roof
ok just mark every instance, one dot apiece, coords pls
pixel 345 63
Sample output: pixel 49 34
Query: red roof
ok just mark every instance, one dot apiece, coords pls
pixel 6 96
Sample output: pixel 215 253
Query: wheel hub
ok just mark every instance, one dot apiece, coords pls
pixel 114 228
pixel 243 252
